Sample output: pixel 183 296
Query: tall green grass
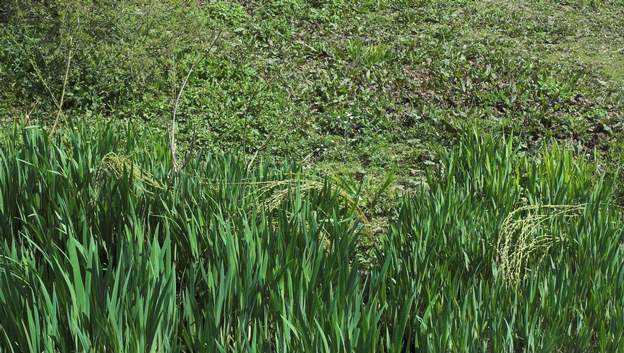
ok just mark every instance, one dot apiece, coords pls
pixel 102 251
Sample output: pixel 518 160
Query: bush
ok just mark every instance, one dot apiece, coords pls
pixel 122 53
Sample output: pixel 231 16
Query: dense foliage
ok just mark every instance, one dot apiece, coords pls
pixel 104 251
pixel 348 176
pixel 345 85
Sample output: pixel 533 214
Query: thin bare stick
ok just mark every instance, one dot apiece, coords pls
pixel 172 142
pixel 255 155
pixel 60 103
pixel 32 62
pixel 177 167
pixel 43 81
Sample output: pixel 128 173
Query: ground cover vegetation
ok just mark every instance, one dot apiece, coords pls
pixel 311 176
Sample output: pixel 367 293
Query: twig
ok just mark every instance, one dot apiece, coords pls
pixel 255 155
pixel 27 117
pixel 60 103
pixel 172 141
pixel 32 62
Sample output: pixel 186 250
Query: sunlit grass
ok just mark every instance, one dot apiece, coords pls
pixel 101 251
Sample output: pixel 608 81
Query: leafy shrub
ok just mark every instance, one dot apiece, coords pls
pixel 121 52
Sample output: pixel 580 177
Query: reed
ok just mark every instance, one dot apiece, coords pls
pixel 502 252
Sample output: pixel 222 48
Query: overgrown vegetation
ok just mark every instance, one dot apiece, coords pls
pixel 365 86
pixel 94 259
pixel 311 176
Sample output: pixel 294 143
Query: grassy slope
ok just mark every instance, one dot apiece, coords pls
pixel 377 85
pixel 345 88
pixel 369 87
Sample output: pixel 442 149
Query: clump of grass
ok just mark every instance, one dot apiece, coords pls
pixel 279 191
pixel 239 258
pixel 120 166
pixel 527 233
